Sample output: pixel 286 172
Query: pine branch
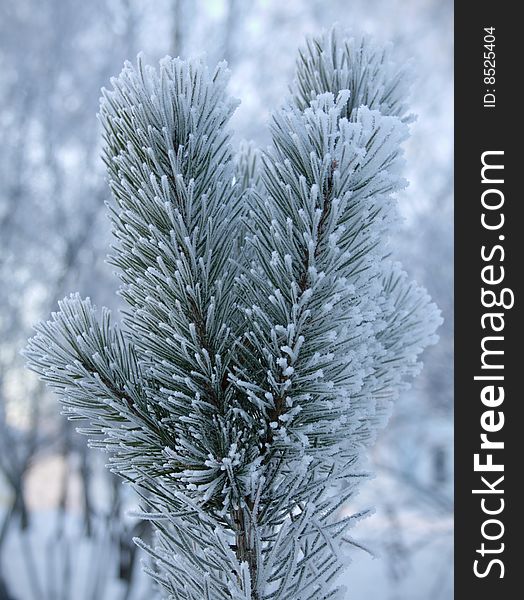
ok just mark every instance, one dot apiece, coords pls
pixel 266 330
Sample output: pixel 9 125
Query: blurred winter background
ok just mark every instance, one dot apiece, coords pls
pixel 65 532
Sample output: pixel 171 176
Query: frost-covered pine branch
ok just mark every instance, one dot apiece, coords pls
pixel 266 330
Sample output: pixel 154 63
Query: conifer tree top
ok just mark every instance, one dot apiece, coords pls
pixel 265 331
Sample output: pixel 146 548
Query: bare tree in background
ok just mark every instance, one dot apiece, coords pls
pixel 51 202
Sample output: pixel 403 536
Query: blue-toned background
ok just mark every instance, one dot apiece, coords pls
pixel 65 532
